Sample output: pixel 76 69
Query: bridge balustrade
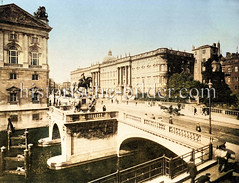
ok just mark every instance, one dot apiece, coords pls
pixel 90 116
pixel 185 133
pixel 173 129
pixel 170 167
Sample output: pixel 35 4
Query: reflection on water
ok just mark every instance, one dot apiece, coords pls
pixel 141 151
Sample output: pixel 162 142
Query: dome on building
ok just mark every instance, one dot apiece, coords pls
pixel 108 58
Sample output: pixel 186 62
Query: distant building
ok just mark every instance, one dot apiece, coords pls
pixel 231 69
pixel 24 70
pixel 201 55
pixel 150 67
pixel 66 85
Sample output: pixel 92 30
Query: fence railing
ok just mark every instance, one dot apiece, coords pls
pixel 170 167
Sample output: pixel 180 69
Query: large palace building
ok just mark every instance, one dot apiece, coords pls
pixel 149 68
pixel 24 70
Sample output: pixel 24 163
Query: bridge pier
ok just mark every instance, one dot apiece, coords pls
pixel 84 136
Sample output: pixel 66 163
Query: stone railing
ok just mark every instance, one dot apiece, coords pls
pixel 169 129
pixel 73 117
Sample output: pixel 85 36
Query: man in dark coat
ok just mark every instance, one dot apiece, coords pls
pixel 192 170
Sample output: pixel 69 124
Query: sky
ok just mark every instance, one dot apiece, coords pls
pixel 85 30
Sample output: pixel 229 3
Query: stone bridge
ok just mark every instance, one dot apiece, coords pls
pixel 96 135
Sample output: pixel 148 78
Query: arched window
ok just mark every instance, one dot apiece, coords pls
pixel 35 58
pixel 13 55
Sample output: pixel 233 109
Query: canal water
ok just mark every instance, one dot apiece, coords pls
pixel 139 151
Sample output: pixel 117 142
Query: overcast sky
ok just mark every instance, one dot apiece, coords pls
pixel 84 30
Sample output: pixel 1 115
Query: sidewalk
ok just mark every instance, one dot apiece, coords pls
pixel 188 114
pixel 223 120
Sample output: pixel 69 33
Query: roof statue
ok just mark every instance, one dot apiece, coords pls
pixel 41 13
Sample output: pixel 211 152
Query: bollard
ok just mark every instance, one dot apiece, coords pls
pixel 193 155
pixel 26 163
pixel 26 138
pixel 210 151
pixel 30 155
pixel 2 160
pixel 8 140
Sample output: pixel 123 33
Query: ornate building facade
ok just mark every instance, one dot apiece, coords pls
pixel 149 68
pixel 201 55
pixel 24 70
pixel 230 67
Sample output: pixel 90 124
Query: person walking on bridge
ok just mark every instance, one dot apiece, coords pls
pixel 192 170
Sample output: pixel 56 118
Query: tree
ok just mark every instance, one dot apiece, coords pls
pixel 183 87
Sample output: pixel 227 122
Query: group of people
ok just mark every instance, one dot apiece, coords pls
pixel 221 153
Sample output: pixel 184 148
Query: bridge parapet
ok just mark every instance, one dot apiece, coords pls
pixel 68 116
pixel 171 129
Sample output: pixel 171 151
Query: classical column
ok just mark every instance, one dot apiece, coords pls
pixel 99 78
pixel 122 76
pixel 96 73
pixel 127 75
pixel 118 72
pixel 130 75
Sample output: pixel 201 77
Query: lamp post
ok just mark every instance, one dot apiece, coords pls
pixel 210 121
pixel 210 117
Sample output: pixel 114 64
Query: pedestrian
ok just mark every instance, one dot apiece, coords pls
pixel 170 120
pixel 153 117
pixel 198 128
pixel 104 108
pixel 195 110
pixel 222 157
pixel 192 170
pixel 204 178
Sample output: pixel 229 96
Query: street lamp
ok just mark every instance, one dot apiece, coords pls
pixel 210 117
pixel 210 120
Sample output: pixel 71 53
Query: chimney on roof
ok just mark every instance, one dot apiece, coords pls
pixel 228 54
pixel 219 48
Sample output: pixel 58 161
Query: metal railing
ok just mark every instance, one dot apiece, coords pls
pixel 170 167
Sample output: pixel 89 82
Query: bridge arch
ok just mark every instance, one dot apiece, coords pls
pixel 126 131
pixel 55 132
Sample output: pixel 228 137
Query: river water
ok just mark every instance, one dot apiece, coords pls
pixel 141 151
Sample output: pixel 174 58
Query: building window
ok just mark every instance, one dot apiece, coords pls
pixel 237 78
pixel 13 55
pixel 229 69
pixel 35 58
pixel 14 118
pixel 13 97
pixel 204 60
pixel 34 40
pixel 35 116
pixel 35 98
pixel 203 51
pixel 35 77
pixel 229 80
pixel 236 69
pixel 12 37
pixel 13 76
